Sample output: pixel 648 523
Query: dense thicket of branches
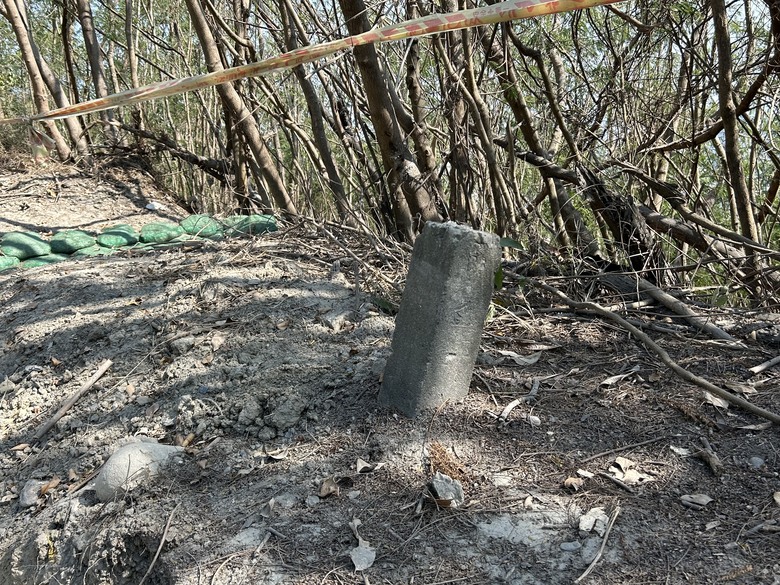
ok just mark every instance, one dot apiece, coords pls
pixel 642 135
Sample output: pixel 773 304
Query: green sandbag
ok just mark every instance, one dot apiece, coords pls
pixel 204 226
pixel 159 233
pixel 249 224
pixel 7 262
pixel 94 250
pixel 24 245
pixel 68 241
pixel 43 260
pixel 117 236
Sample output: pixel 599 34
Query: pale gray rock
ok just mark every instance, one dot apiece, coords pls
pixel 29 494
pixel 129 466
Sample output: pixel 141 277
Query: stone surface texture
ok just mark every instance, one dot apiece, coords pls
pixel 440 321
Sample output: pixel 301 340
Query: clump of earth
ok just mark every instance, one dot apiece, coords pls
pixel 261 358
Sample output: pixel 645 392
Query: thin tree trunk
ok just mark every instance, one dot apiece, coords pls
pixel 412 200
pixel 502 199
pixel 450 47
pixel 314 106
pixel 75 131
pixel 132 60
pixel 730 129
pixel 245 122
pixel 95 60
pixel 36 80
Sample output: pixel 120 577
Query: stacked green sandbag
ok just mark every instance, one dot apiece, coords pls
pixel 237 225
pixel 118 236
pixel 203 226
pixel 70 241
pixel 7 262
pixel 160 233
pixel 24 245
pixel 44 260
pixel 94 250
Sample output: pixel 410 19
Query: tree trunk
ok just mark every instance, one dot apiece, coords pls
pixel 75 131
pixel 460 177
pixel 413 204
pixel 246 123
pixel 95 61
pixel 36 80
pixel 730 129
pixel 627 226
pixel 314 106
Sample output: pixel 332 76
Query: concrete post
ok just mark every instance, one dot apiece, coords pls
pixel 439 324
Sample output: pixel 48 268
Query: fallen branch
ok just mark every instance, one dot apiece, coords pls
pixel 661 353
pixel 616 481
pixel 682 309
pixel 44 428
pixel 765 366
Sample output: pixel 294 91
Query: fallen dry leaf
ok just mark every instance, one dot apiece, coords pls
pixel 695 501
pixel 715 400
pixel 328 487
pixel 363 466
pixel 50 485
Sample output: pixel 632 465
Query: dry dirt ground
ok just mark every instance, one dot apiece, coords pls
pixel 264 357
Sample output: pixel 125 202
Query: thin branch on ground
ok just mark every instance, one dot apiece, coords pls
pixel 660 352
pixel 603 545
pixel 68 404
pixel 162 543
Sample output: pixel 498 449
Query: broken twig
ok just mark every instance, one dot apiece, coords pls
pixel 765 366
pixel 68 404
pixel 162 543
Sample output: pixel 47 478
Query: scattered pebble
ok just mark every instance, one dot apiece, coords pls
pixel 29 496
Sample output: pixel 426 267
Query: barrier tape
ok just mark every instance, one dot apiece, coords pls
pixel 426 25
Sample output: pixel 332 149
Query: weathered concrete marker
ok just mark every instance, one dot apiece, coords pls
pixel 439 324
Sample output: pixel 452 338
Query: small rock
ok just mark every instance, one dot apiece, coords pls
pixel 756 462
pixel 286 500
pixel 595 520
pixel 502 479
pixel 129 466
pixel 182 345
pixel 250 413
pixel 336 319
pixel 447 491
pixel 30 492
pixel 571 546
pixel 251 536
pixel 312 501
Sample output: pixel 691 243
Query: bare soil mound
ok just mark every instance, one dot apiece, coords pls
pixel 263 358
